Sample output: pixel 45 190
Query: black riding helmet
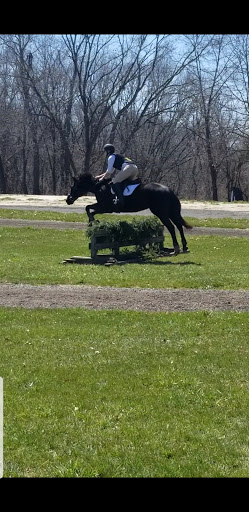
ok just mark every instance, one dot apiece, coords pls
pixel 109 148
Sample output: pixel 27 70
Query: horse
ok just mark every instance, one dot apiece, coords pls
pixel 160 199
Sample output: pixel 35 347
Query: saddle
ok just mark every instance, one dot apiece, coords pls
pixel 128 182
pixel 127 186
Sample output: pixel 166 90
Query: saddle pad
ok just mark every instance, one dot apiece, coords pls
pixel 129 189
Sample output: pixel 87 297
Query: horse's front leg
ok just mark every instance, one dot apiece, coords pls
pixel 90 213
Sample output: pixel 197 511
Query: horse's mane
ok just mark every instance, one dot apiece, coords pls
pixel 88 178
pixel 85 176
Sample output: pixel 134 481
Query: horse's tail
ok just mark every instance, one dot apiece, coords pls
pixel 177 212
pixel 179 220
pixel 185 223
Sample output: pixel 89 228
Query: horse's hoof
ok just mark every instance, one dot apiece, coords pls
pixel 176 250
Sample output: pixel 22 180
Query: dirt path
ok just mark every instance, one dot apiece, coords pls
pixel 199 209
pixel 141 299
pixel 55 224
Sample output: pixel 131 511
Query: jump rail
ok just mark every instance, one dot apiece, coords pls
pixel 100 240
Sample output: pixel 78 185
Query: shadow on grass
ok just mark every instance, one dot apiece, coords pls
pixel 156 262
pixel 129 258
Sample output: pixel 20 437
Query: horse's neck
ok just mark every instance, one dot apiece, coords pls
pixel 93 188
pixel 102 190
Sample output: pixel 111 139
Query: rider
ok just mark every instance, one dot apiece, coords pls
pixel 126 168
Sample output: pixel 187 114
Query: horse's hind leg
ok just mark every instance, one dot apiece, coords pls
pixel 166 221
pixel 180 229
pixel 172 231
pixel 184 241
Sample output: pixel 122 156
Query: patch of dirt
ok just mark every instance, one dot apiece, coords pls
pixel 199 209
pixel 140 299
pixel 55 224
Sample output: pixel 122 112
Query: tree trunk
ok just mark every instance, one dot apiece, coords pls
pixel 24 174
pixel 3 187
pixel 36 168
pixel 212 168
pixel 213 173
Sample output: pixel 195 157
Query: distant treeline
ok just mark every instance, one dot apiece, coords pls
pixel 176 104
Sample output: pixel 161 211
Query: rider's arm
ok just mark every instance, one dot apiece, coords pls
pixel 110 168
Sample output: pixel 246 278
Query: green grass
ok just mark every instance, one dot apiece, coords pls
pixel 31 255
pixel 82 217
pixel 7 213
pixel 124 394
pixel 121 393
pixel 225 222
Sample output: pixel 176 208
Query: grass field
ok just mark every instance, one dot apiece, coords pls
pixel 125 394
pixel 121 393
pixel 31 255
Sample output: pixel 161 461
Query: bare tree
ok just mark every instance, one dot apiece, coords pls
pixel 239 90
pixel 46 80
pixel 181 115
pixel 212 75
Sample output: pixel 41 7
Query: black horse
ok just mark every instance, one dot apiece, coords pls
pixel 158 198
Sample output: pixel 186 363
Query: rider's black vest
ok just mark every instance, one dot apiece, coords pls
pixel 119 160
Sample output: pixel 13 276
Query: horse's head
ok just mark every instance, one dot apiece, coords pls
pixel 81 186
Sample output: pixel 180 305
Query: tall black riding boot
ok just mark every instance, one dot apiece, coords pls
pixel 118 189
